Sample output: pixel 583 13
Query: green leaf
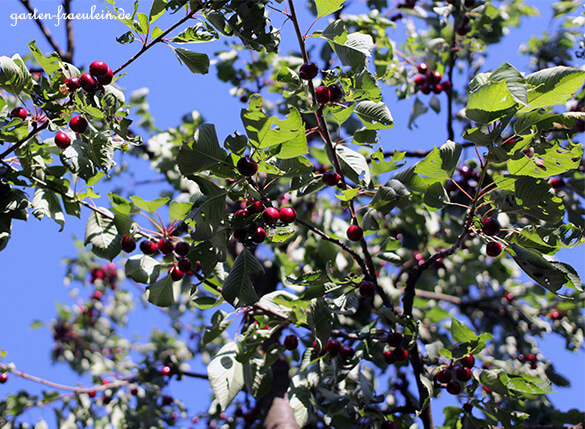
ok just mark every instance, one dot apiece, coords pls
pixel 489 102
pixel 538 199
pixel 547 240
pixel 282 233
pixel 461 333
pixel 514 80
pixel 218 325
pixel 77 159
pixel 548 160
pixel 226 375
pixel 354 165
pixel 50 65
pixel 196 62
pixel 552 86
pixel 142 269
pixel 197 33
pixel 381 166
pixel 179 211
pixel 164 292
pixel 440 163
pixel 120 205
pixel 548 273
pixel 238 289
pixel 46 203
pixel 348 194
pixel 495 379
pixel 149 206
pixel 326 7
pixel 14 75
pixel 102 233
pixel 374 116
pixel 202 153
pixel 392 194
pixel 435 197
pixel 356 48
pixel 320 321
pixel 524 383
pixel 157 9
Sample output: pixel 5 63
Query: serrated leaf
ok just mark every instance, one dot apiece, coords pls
pixel 489 102
pixel 374 116
pixel 547 161
pixel 218 325
pixel 552 86
pixel 164 292
pixel 102 233
pixel 178 211
pixel 202 153
pixel 149 206
pixel 195 61
pixel 14 75
pixel 440 163
pixel 320 321
pixel 354 165
pixel 142 269
pixel 326 7
pixel 282 233
pixel 356 48
pixel 46 203
pixel 392 194
pixel 547 240
pixel 77 159
pixel 495 380
pixel 226 375
pixel 514 80
pixel 348 194
pixel 435 197
pixel 461 333
pixel 238 289
pixel 197 33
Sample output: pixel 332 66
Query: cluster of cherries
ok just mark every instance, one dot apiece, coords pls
pixel 529 358
pixel 108 274
pixel 452 377
pixel 325 93
pixel 183 266
pixel 396 352
pixel 428 81
pixel 491 227
pixel 270 217
pixel 99 74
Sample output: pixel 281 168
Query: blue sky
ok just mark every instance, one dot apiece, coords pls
pixel 32 271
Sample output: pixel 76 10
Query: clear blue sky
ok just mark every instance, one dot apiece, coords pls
pixel 31 266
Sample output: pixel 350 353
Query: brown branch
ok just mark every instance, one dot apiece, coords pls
pixel 23 140
pixel 194 375
pixel 452 56
pixel 155 41
pixel 44 30
pixel 69 32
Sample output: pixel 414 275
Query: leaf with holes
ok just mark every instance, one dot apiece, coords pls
pixel 226 375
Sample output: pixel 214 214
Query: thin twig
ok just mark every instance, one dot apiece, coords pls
pixel 23 140
pixel 69 31
pixel 44 30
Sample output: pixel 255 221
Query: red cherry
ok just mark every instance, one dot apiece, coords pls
pixel 454 388
pixel 331 178
pixel 98 68
pixel 128 244
pixel 62 140
pixel 493 248
pixel 78 124
pixel 242 213
pixel 107 78
pixel 436 77
pixel 556 182
pixel 437 88
pixel 185 265
pixel 257 207
pixel 509 297
pixel 468 361
pixel 19 112
pixel 323 94
pixel 271 215
pixel 400 354
pixel 166 370
pixel 367 289
pixel 389 357
pixel 422 68
pixel 259 235
pixel 134 391
pixel 336 92
pixel 425 88
pixel 291 342
pixel 72 83
pixel 557 315
pixel 240 234
pixel 182 248
pixel 490 226
pixel 287 214
pixel 91 394
pixel 3 378
pixel 165 246
pixel 355 233
pixel 333 347
pixel 176 273
pixel 97 295
pixel 106 399
pixel 419 79
pixel 247 166
pixel 444 376
pixel 167 400
pixel 88 82
pixel 447 85
pixel 394 339
pixel 346 352
pixel 308 71
pixel 463 373
pixel 148 247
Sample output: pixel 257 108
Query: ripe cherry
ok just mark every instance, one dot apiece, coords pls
pixel 247 166
pixel 185 265
pixel 128 244
pixel 493 248
pixel 72 83
pixel 182 248
pixel 271 215
pixel 463 373
pixel 308 71
pixel 258 235
pixel 454 388
pixel 419 79
pixel 97 295
pixel 166 370
pixel 256 207
pixel 437 88
pixel 336 92
pixel 88 82
pixel 323 94
pixel 425 88
pixel 422 68
pixel 400 354
pixel 556 182
pixel 490 226
pixel 346 352
pixel 291 342
pixel 355 233
pixel 467 361
pixel 444 376
pixel 165 246
pixel 19 112
pixel 98 68
pixel 242 214
pixel 107 78
pixel 557 315
pixel 509 297
pixel 331 178
pixel 389 357
pixel 148 247
pixel 367 289
pixel 333 347
pixel 436 77
pixel 447 85
pixel 240 234
pixel 78 124
pixel 176 273
pixel 394 339
pixel 62 140
pixel 287 214
pixel 167 400
pixel 3 378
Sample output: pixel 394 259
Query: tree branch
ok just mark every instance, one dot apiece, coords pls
pixel 69 32
pixel 452 55
pixel 23 140
pixel 44 30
